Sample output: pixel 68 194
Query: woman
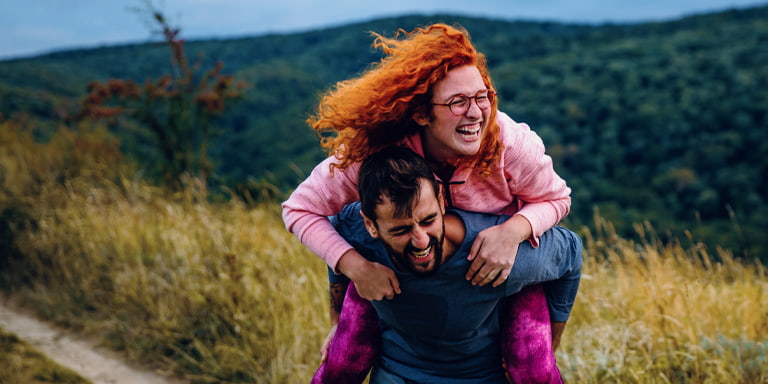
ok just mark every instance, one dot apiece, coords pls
pixel 432 93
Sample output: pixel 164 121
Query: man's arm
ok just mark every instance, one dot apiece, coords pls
pixel 337 292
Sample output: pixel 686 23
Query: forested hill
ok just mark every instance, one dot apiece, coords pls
pixel 661 122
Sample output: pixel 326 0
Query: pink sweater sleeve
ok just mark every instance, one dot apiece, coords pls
pixel 306 211
pixel 544 196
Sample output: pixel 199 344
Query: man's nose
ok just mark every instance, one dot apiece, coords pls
pixel 419 238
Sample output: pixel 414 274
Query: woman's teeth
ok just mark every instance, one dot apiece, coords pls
pixel 469 133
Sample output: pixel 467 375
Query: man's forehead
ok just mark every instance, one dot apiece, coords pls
pixel 420 208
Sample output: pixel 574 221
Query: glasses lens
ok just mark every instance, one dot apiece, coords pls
pixel 459 105
pixel 483 99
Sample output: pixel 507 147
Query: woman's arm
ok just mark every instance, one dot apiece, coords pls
pixel 320 195
pixel 542 196
pixel 306 213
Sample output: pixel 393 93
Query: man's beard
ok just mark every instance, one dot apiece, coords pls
pixel 405 262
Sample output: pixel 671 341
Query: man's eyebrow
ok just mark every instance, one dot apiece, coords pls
pixel 429 217
pixel 400 228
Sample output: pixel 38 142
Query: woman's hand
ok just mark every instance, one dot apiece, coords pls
pixel 373 281
pixel 494 250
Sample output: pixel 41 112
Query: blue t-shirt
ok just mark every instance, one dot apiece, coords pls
pixel 443 329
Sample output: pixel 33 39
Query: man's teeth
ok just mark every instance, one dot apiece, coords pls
pixel 421 254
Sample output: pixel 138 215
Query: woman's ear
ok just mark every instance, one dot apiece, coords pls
pixel 421 118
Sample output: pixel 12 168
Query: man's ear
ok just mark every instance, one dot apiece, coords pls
pixel 370 226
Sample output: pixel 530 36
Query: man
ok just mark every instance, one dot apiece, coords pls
pixel 440 329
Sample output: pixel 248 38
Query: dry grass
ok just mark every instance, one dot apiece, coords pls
pixel 650 313
pixel 220 292
pixel 216 292
pixel 23 364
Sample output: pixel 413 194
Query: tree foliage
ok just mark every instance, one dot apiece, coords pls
pixel 178 109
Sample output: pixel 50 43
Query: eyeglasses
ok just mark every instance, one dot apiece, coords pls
pixel 459 104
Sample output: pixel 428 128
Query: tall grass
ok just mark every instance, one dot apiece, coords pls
pixel 654 313
pixel 214 292
pixel 221 293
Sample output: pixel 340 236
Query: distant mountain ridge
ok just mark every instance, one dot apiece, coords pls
pixel 664 121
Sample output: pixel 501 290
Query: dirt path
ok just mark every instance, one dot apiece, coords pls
pixel 95 364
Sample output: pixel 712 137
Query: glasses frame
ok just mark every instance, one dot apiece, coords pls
pixel 490 93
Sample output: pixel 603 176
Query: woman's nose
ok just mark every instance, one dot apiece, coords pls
pixel 473 110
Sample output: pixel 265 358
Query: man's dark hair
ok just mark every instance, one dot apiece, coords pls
pixel 393 172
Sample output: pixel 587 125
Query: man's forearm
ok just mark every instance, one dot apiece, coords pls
pixel 557 332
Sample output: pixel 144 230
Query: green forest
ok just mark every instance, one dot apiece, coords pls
pixel 659 123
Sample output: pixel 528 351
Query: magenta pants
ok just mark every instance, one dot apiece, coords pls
pixel 525 340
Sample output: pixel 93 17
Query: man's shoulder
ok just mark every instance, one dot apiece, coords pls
pixel 348 222
pixel 350 225
pixel 347 215
pixel 477 221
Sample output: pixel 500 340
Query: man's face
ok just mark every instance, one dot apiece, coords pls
pixel 415 242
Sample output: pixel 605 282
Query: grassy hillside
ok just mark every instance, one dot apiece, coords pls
pixel 220 292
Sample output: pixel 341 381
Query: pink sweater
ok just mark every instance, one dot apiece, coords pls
pixel 523 183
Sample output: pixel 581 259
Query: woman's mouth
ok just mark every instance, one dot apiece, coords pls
pixel 469 132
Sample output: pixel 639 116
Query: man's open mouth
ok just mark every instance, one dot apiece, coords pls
pixel 421 254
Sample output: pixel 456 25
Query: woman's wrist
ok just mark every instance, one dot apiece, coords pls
pixel 519 227
pixel 352 264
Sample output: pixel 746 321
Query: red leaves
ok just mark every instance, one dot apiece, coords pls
pixel 96 104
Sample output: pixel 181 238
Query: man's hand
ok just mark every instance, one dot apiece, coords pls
pixel 494 250
pixel 373 281
pixel 557 333
pixel 326 344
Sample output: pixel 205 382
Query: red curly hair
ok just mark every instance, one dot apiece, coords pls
pixel 376 109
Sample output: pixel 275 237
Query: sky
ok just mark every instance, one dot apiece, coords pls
pixel 31 27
